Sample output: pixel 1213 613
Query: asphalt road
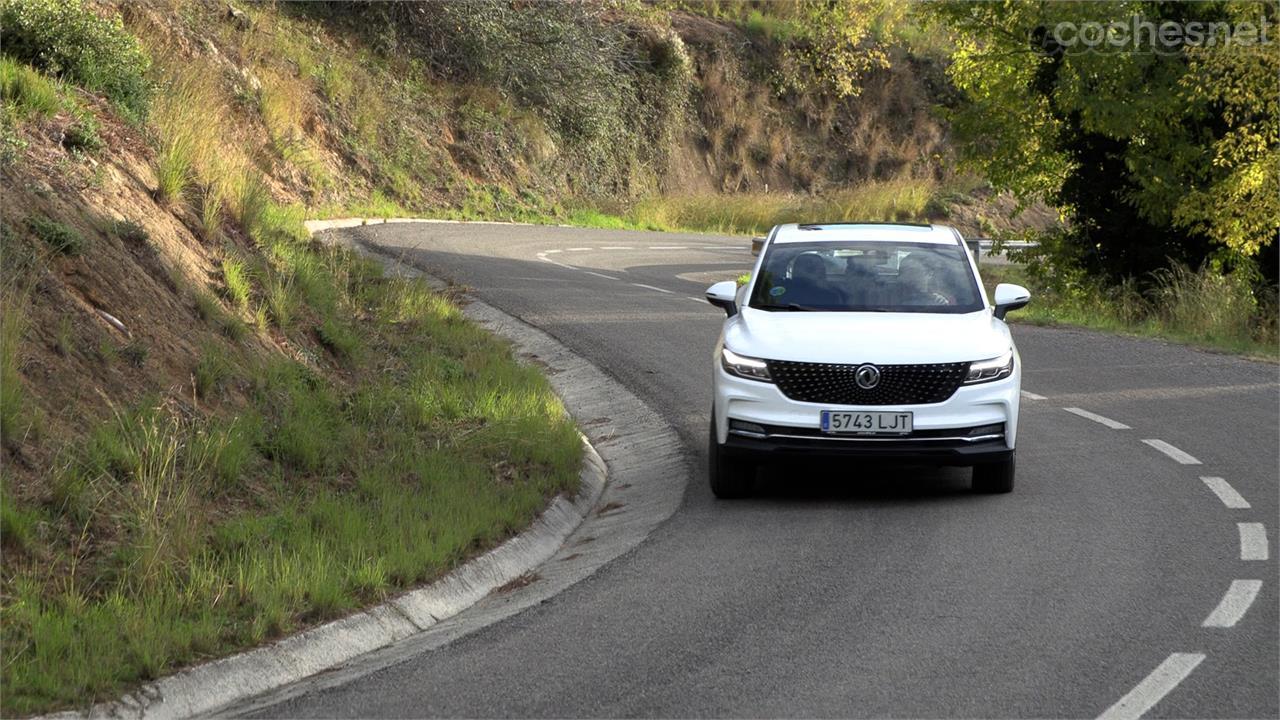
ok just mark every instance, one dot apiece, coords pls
pixel 839 592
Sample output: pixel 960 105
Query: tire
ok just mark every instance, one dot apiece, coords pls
pixel 730 478
pixel 994 477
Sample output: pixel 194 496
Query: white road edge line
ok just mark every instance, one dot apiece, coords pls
pixel 1253 541
pixel 600 275
pixel 1173 452
pixel 1032 396
pixel 1226 493
pixel 544 258
pixel 650 287
pixel 1153 687
pixel 1234 604
pixel 1098 418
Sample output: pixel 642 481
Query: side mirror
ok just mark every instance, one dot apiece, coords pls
pixel 724 296
pixel 1010 297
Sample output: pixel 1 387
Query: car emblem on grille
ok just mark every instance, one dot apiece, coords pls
pixel 867 376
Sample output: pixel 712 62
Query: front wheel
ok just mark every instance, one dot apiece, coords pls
pixel 994 477
pixel 729 477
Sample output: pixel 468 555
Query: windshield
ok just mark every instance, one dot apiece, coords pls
pixel 866 277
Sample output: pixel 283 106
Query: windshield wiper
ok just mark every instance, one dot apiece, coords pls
pixel 806 308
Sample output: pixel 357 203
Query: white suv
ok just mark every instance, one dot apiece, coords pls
pixel 873 342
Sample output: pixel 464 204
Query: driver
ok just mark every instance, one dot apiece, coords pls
pixel 915 283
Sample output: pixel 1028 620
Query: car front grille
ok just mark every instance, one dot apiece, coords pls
pixel 899 384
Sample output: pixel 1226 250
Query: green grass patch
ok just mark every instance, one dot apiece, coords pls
pixel 212 371
pixel 26 92
pixel 339 338
pixel 13 392
pixel 212 312
pixel 173 538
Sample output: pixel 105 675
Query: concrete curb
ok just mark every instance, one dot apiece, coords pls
pixel 219 684
pixel 315 226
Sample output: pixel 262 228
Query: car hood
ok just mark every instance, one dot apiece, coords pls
pixel 858 337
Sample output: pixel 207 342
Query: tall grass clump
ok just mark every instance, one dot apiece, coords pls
pixel 251 199
pixel 68 40
pixel 188 118
pixel 1211 305
pixel 235 276
pixel 27 91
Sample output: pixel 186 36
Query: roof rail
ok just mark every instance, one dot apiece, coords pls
pixel 813 226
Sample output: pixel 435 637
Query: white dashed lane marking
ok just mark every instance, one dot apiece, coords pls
pixel 548 252
pixel 576 249
pixel 1234 604
pixel 1032 396
pixel 650 287
pixel 617 247
pixel 668 247
pixel 1173 452
pixel 1153 687
pixel 600 275
pixel 1097 418
pixel 1253 541
pixel 1226 493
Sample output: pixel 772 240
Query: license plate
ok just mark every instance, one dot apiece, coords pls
pixel 866 423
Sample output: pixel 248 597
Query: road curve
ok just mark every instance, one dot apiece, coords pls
pixel 1132 571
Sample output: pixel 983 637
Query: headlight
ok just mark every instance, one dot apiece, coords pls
pixel 744 367
pixel 989 370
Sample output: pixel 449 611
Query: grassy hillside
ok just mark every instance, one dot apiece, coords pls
pixel 216 431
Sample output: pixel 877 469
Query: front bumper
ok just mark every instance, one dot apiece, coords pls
pixel 875 450
pixel 792 428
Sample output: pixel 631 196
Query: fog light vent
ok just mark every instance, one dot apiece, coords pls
pixel 997 429
pixel 738 427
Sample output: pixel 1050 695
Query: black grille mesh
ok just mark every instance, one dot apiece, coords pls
pixel 899 384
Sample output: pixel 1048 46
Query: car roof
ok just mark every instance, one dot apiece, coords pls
pixel 863 231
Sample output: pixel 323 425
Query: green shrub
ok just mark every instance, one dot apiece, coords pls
pixel 83 134
pixel 67 39
pixel 61 238
pixel 130 232
pixel 135 353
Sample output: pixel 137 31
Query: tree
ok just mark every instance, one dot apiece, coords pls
pixel 1156 144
